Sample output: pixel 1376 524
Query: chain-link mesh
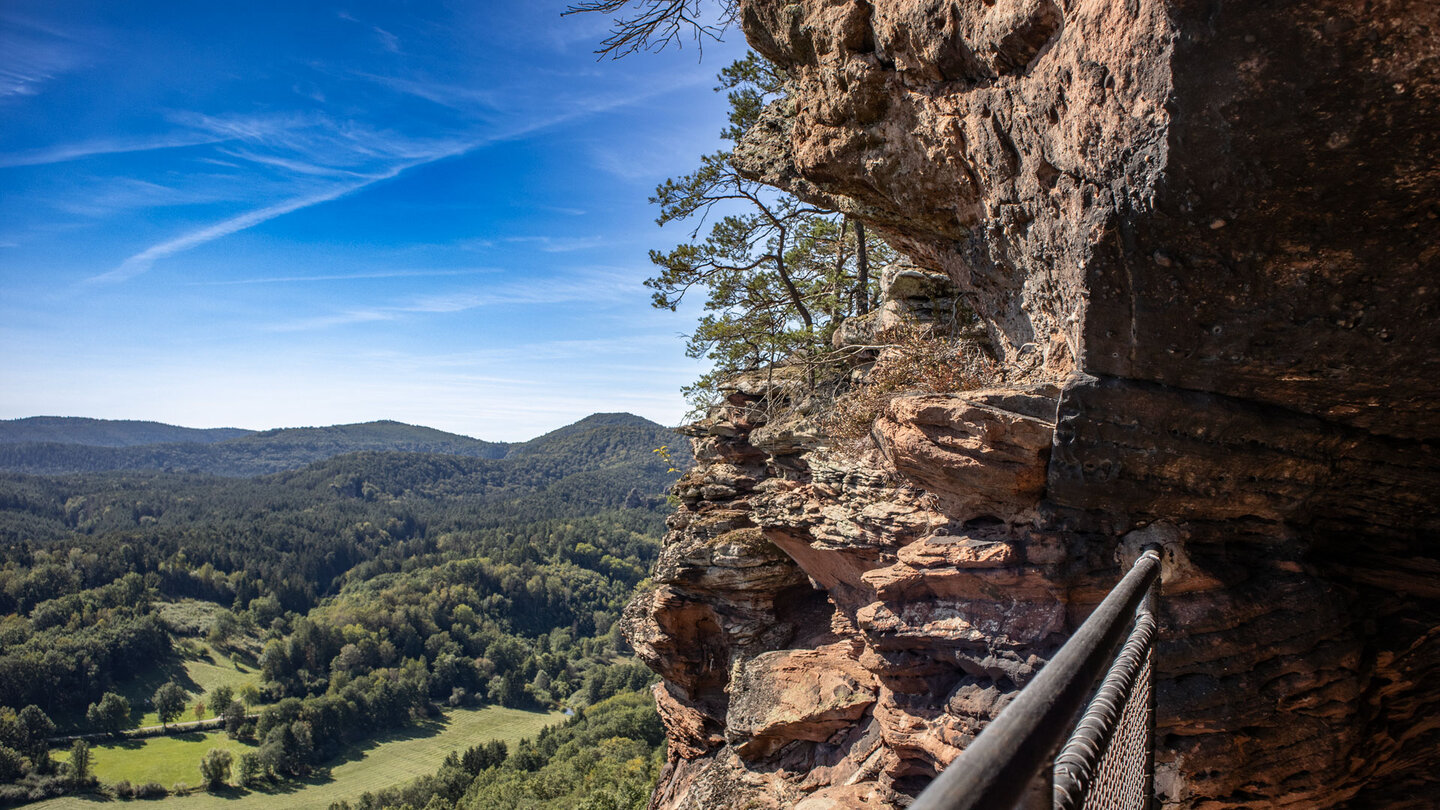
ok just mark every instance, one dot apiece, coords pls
pixel 1109 761
pixel 1107 764
pixel 1122 779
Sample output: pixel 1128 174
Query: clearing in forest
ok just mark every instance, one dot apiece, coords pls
pixel 390 759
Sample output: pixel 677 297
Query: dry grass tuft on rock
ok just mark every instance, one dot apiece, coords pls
pixel 917 358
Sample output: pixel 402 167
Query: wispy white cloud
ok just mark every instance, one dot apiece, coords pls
pixel 34 56
pixel 105 197
pixel 248 128
pixel 145 259
pixel 76 151
pixel 263 129
pixel 560 244
pixel 388 41
pixel 471 271
pixel 453 96
pixel 345 318
pixel 310 136
pixel 594 287
pixel 297 166
pixel 316 141
pixel 310 91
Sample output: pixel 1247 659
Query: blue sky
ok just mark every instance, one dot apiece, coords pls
pixel 270 214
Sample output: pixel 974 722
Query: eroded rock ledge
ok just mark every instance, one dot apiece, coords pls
pixel 828 633
pixel 831 633
pixel 1203 239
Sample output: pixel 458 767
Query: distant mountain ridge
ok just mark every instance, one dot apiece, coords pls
pixel 107 432
pixel 250 453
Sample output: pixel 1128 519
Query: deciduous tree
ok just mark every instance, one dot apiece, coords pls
pixel 35 729
pixel 80 762
pixel 653 25
pixel 169 702
pixel 215 768
pixel 111 714
pixel 249 768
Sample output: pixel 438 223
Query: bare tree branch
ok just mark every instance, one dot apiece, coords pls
pixel 653 25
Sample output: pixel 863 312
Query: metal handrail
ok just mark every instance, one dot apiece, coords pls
pixel 1000 765
pixel 1081 761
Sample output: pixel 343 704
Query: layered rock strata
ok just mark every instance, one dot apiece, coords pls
pixel 1203 240
pixel 827 634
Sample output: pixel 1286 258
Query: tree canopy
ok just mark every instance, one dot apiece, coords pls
pixel 778 274
pixel 169 702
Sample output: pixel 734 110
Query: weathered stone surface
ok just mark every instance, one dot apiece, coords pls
pixel 688 728
pixel 1239 202
pixel 789 695
pixel 844 797
pixel 912 293
pixel 1222 219
pixel 1147 451
pixel 909 295
pixel 979 459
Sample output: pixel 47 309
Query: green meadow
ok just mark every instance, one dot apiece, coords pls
pixel 166 760
pixel 390 759
pixel 199 669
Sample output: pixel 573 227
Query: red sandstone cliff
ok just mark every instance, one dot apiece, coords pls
pixel 1204 239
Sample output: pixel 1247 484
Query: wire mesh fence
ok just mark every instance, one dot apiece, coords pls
pixel 1108 762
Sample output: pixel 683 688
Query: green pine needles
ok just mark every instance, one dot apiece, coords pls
pixel 778 275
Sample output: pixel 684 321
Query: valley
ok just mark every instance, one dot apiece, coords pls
pixel 388 759
pixel 349 620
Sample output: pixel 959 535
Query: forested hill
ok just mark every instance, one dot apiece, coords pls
pixel 552 537
pixel 57 446
pixel 107 432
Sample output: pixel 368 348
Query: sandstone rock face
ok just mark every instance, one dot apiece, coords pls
pixel 1204 240
pixel 1240 201
pixel 831 635
pixel 980 459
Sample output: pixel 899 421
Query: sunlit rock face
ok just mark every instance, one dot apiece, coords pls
pixel 1204 239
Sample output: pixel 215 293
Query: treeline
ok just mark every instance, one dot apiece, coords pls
pixel 247 455
pixel 375 586
pixel 27 772
pixel 107 432
pixel 606 757
pixel 118 446
pixel 74 646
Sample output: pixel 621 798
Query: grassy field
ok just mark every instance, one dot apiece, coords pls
pixel 389 760
pixel 197 672
pixel 208 669
pixel 166 760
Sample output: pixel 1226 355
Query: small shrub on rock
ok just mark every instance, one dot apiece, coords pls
pixel 916 360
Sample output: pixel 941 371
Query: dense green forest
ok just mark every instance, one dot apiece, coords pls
pixel 107 432
pixel 367 588
pixel 59 447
